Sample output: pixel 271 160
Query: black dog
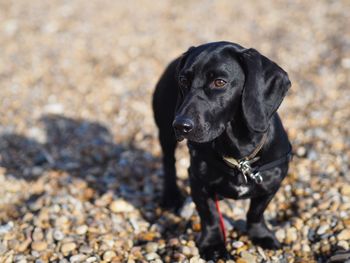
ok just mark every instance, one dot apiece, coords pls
pixel 223 99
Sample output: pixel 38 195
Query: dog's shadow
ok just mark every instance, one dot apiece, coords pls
pixel 86 150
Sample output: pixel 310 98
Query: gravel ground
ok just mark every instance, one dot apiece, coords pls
pixel 80 170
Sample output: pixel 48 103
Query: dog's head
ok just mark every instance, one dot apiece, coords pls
pixel 218 79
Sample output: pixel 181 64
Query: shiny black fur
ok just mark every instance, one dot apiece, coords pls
pixel 225 121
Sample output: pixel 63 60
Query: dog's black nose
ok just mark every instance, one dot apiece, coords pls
pixel 183 125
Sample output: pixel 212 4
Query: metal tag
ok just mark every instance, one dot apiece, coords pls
pixel 247 171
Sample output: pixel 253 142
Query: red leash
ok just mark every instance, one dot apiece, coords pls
pixel 222 225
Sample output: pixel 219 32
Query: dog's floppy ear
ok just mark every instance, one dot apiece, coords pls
pixel 182 60
pixel 265 86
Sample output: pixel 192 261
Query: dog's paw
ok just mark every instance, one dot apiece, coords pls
pixel 262 236
pixel 214 253
pixel 172 201
pixel 268 242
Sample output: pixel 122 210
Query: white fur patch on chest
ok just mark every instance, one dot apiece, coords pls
pixel 242 190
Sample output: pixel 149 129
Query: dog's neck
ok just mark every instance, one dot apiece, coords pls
pixel 237 141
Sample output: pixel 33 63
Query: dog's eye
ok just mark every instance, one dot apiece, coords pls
pixel 219 83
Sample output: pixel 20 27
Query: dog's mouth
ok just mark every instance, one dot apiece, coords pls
pixel 198 135
pixel 179 137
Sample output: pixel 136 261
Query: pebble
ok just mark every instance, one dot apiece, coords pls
pixel 340 256
pixel 186 251
pixel 77 258
pixel 306 248
pixel 301 151
pixel 39 245
pixel 151 247
pixel 237 244
pixel 242 248
pixel 196 227
pixel 188 209
pixel 345 189
pixel 298 223
pixel 179 257
pixel 325 247
pixel 81 230
pixel 322 230
pixel 262 253
pixel 121 206
pixel 197 259
pixel 194 251
pixel 58 235
pixel 68 247
pixel 174 242
pixel 53 108
pixel 280 235
pixel 246 257
pixel 85 249
pixel 6 228
pixel 91 259
pixel 135 225
pixel 291 235
pixel 344 235
pixel 343 244
pixel 109 255
pixel 22 246
pixel 151 256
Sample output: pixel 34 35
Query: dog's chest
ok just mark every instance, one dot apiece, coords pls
pixel 229 184
pixel 224 180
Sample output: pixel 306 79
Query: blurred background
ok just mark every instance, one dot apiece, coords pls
pixel 80 172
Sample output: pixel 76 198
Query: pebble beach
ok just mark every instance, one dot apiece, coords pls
pixel 80 162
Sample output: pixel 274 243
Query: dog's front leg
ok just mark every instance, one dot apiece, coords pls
pixel 259 233
pixel 211 241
